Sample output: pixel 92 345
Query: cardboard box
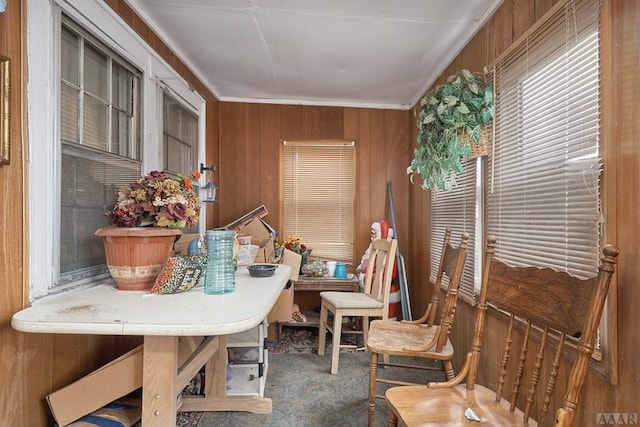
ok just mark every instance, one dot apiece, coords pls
pixel 263 235
pixel 259 212
pixel 104 385
pixel 124 412
pixel 282 309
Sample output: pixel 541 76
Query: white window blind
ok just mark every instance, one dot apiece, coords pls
pixel 543 192
pixel 458 209
pixel 318 195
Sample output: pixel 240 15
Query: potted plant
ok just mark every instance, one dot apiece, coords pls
pixel 450 122
pixel 146 220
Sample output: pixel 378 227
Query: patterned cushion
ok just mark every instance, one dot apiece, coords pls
pixel 179 274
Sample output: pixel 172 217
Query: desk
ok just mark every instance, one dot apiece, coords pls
pixel 319 284
pixel 316 284
pixel 161 319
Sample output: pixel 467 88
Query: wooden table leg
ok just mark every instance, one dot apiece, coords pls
pixel 159 389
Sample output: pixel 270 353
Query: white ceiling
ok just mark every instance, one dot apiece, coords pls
pixel 361 53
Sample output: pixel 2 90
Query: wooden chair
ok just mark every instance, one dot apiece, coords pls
pixel 420 338
pixel 541 303
pixel 374 302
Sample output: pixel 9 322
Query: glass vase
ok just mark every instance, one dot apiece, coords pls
pixel 220 272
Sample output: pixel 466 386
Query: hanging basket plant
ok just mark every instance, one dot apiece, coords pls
pixel 450 128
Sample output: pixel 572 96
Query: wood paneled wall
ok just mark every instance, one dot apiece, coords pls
pixel 243 141
pixel 251 136
pixel 620 185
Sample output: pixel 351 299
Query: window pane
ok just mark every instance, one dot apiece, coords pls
pixel 122 85
pixel 89 189
pixel 180 129
pixel 457 209
pixel 121 133
pixel 69 113
pixel 95 72
pixel 94 124
pixel 69 69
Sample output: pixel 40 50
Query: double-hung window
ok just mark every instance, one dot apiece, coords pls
pixel 96 122
pixel 543 202
pixel 99 145
pixel 538 190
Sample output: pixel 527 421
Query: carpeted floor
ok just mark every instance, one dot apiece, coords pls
pixel 305 394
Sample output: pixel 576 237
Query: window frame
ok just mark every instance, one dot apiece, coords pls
pixel 44 154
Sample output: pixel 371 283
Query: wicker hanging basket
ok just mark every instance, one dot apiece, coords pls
pixel 481 148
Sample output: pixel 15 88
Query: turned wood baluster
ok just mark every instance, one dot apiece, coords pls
pixel 505 360
pixel 565 416
pixel 535 375
pixel 523 358
pixel 551 383
pixel 373 375
pixel 476 344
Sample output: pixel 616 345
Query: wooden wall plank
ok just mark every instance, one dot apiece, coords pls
pixel 523 17
pixel 381 147
pixel 270 146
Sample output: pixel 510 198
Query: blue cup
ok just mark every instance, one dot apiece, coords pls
pixel 341 271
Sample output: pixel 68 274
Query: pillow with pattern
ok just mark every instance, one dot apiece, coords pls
pixel 179 274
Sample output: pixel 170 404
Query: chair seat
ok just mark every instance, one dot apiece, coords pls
pixel 352 300
pixel 405 339
pixel 423 406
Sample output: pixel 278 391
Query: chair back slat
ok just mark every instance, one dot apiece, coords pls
pixel 551 382
pixel 522 359
pixel 379 285
pixel 435 295
pixel 535 375
pixel 454 259
pixel 506 354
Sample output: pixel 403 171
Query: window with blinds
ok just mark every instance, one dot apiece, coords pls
pixel 458 209
pixel 543 201
pixel 180 136
pixel 99 145
pixel 318 183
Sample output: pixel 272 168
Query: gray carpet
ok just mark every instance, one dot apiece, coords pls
pixel 305 394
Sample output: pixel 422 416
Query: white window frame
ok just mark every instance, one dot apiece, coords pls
pixel 43 34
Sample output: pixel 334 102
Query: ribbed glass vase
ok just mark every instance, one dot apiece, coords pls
pixel 220 275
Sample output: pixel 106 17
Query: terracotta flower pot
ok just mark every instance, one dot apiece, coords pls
pixel 135 256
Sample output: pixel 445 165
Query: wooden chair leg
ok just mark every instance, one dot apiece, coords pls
pixel 373 376
pixel 448 369
pixel 337 332
pixel 392 420
pixel 322 330
pixel 365 329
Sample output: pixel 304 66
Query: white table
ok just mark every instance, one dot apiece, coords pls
pixel 161 319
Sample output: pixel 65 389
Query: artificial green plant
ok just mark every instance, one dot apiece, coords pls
pixel 464 104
